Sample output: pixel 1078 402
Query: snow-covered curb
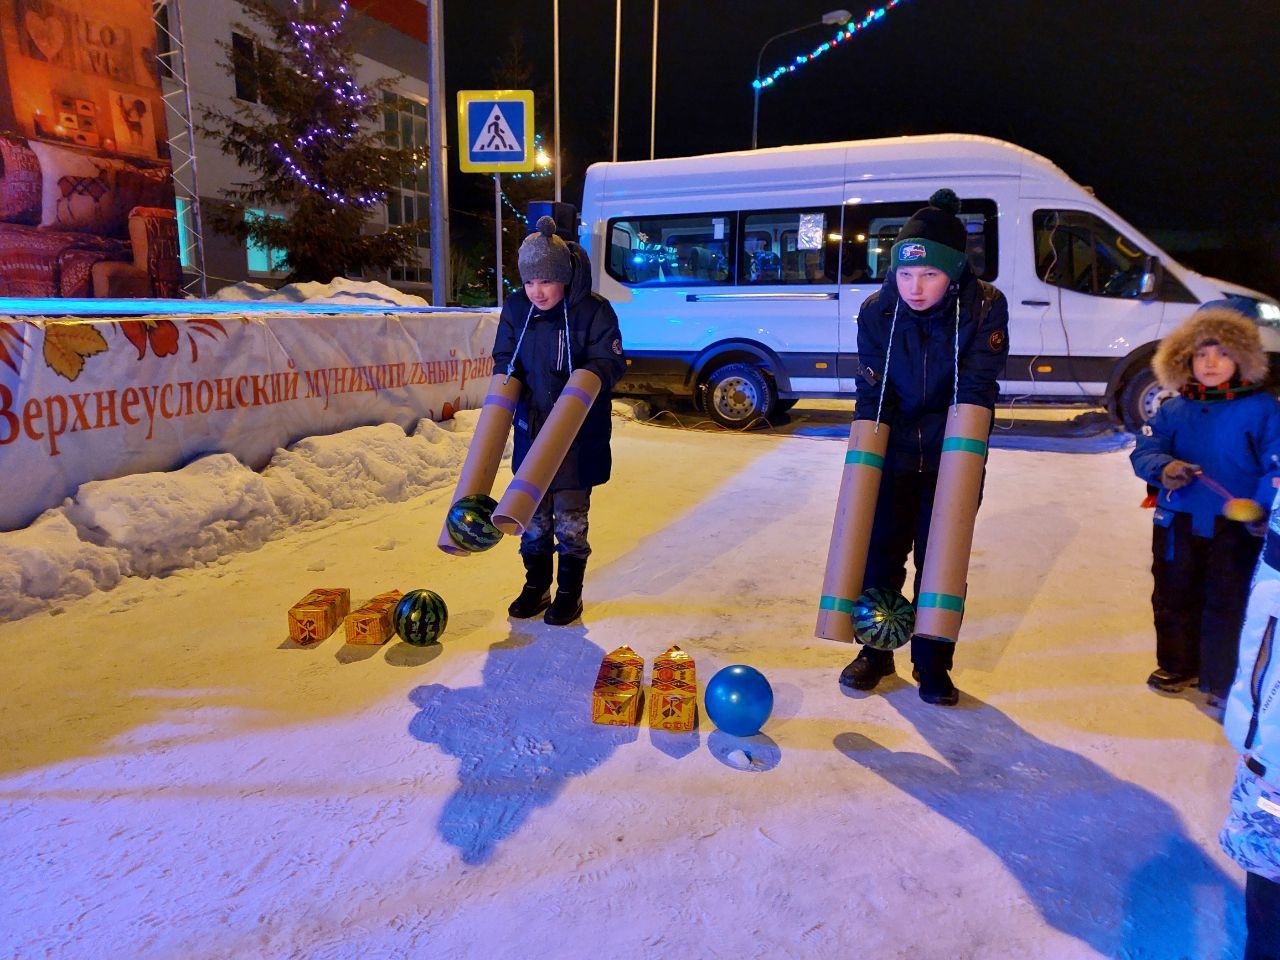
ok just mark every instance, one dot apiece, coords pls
pixel 151 524
pixel 154 523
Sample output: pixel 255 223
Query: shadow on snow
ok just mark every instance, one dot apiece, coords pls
pixel 1102 859
pixel 519 736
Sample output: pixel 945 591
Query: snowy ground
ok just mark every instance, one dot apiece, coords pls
pixel 177 780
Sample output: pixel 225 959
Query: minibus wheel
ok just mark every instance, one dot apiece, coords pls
pixel 739 394
pixel 1141 398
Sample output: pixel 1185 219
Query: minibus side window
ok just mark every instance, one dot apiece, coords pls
pixel 677 249
pixel 1080 251
pixel 870 229
pixel 789 246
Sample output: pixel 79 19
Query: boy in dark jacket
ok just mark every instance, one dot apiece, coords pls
pixel 552 327
pixel 1221 433
pixel 933 336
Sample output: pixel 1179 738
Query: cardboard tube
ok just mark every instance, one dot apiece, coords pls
pixel 516 507
pixel 851 532
pixel 940 606
pixel 485 452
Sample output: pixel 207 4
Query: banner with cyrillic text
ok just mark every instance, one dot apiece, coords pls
pixel 95 399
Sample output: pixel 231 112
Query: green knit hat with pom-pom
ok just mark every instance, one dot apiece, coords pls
pixel 933 237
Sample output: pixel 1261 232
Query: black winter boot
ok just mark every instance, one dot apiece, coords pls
pixel 867 669
pixel 536 595
pixel 932 659
pixel 567 606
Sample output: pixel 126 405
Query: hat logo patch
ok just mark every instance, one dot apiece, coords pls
pixel 911 251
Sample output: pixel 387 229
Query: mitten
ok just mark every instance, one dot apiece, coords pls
pixel 1177 474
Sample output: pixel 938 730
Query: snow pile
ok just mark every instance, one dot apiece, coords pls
pixel 631 408
pixel 49 561
pixel 152 524
pixel 338 290
pixel 365 466
pixel 160 522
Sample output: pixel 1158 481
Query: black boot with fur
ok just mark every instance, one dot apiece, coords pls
pixel 536 595
pixel 567 606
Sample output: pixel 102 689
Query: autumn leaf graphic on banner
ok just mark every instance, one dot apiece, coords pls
pixel 161 334
pixel 205 327
pixel 66 345
pixel 11 344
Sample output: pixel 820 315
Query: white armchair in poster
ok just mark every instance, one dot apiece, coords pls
pixel 85 399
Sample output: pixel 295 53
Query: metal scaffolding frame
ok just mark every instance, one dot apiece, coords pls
pixel 174 90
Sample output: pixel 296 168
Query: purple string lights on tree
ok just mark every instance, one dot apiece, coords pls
pixel 844 33
pixel 345 93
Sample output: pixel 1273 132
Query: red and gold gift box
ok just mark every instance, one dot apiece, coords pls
pixel 317 615
pixel 673 692
pixel 372 624
pixel 618 691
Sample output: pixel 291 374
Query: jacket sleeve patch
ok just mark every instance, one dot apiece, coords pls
pixel 996 341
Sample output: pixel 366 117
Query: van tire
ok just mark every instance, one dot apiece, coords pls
pixel 738 395
pixel 1141 398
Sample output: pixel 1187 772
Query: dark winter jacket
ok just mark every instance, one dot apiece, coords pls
pixel 921 383
pixel 543 366
pixel 1236 442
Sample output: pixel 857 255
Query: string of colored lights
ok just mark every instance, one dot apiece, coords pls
pixel 846 32
pixel 343 89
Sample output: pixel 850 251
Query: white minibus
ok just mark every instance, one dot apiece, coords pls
pixel 738 277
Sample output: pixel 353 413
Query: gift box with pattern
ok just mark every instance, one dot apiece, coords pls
pixel 371 623
pixel 317 615
pixel 673 692
pixel 618 692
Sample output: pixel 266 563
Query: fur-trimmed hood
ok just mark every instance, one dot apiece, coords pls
pixel 1235 333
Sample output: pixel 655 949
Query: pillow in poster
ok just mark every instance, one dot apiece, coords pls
pixel 20 187
pixel 144 187
pixel 78 192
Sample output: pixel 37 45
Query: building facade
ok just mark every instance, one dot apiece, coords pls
pixel 389 37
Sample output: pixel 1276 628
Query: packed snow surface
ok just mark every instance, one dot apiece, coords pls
pixel 178 780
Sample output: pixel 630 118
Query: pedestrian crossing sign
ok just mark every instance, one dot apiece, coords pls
pixel 495 131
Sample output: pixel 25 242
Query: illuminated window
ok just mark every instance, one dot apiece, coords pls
pixel 264 261
pixel 184 232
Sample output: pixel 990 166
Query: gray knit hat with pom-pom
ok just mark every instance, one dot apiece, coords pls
pixel 544 256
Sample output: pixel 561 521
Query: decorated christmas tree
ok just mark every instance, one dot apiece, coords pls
pixel 314 140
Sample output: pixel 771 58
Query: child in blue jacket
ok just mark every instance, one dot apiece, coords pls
pixel 1222 432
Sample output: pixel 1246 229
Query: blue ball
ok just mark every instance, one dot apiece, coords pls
pixel 739 700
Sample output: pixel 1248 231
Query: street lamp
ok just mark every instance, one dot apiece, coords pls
pixel 831 18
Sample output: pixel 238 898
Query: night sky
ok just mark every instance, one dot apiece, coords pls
pixel 1169 110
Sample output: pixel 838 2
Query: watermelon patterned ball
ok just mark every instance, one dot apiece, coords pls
pixel 883 619
pixel 470 523
pixel 420 617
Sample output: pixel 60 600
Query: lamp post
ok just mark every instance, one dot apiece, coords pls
pixel 831 18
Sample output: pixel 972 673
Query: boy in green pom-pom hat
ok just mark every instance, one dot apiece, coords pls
pixel 933 336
